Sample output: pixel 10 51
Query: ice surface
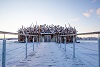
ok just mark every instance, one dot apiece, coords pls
pixel 49 54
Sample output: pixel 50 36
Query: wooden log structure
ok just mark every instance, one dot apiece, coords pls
pixel 50 33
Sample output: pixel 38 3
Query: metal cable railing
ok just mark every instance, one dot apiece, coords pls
pixel 64 46
pixel 79 54
pixel 14 49
pixel 10 51
pixel 20 54
pixel 76 51
pixel 15 55
pixel 88 48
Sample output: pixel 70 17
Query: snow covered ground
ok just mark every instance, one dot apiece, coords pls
pixel 49 54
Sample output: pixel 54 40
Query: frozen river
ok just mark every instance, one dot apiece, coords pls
pixel 49 54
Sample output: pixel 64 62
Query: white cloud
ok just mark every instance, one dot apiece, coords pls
pixel 88 13
pixel 74 19
pixel 98 11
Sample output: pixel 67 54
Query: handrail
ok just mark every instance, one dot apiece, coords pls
pixel 4 32
pixel 97 32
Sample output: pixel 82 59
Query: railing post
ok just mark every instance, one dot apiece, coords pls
pixel 99 47
pixel 33 43
pixel 60 42
pixel 37 38
pixel 42 39
pixel 56 38
pixel 65 43
pixel 4 52
pixel 26 47
pixel 47 38
pixel 73 46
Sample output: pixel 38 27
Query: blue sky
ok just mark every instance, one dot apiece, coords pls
pixel 83 14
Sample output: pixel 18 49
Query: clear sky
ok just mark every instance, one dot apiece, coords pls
pixel 83 14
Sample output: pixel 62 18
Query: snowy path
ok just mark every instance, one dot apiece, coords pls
pixel 49 55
